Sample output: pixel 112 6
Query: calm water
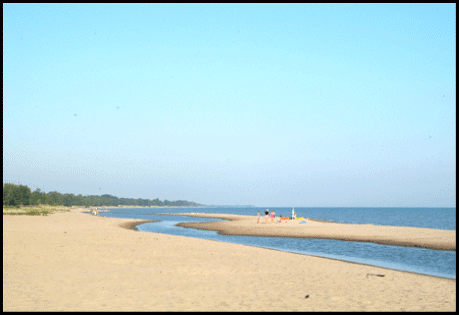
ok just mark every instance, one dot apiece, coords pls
pixel 418 260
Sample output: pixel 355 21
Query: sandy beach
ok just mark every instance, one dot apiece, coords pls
pixel 380 234
pixel 72 261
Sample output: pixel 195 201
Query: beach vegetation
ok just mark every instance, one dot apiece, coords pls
pixel 17 195
pixel 32 210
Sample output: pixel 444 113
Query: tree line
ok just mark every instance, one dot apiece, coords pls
pixel 16 195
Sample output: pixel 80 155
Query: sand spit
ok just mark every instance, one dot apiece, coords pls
pixel 131 225
pixel 78 262
pixel 380 234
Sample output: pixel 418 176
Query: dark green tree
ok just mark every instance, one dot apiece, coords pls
pixel 24 195
pixel 55 198
pixel 68 200
pixel 10 195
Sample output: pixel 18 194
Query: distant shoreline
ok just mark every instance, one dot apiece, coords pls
pixel 146 207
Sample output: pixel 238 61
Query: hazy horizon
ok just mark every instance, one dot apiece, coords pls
pixel 304 105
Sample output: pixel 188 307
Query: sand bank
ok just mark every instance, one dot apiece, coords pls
pixel 387 235
pixel 78 262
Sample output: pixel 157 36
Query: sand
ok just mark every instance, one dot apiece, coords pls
pixel 380 234
pixel 78 262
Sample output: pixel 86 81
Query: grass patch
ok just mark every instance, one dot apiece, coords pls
pixel 33 210
pixel 11 208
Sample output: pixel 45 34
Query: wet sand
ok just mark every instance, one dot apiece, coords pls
pixel 380 234
pixel 78 262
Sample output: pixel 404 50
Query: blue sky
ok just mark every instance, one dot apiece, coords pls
pixel 327 105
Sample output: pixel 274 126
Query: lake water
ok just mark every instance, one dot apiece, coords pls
pixel 419 260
